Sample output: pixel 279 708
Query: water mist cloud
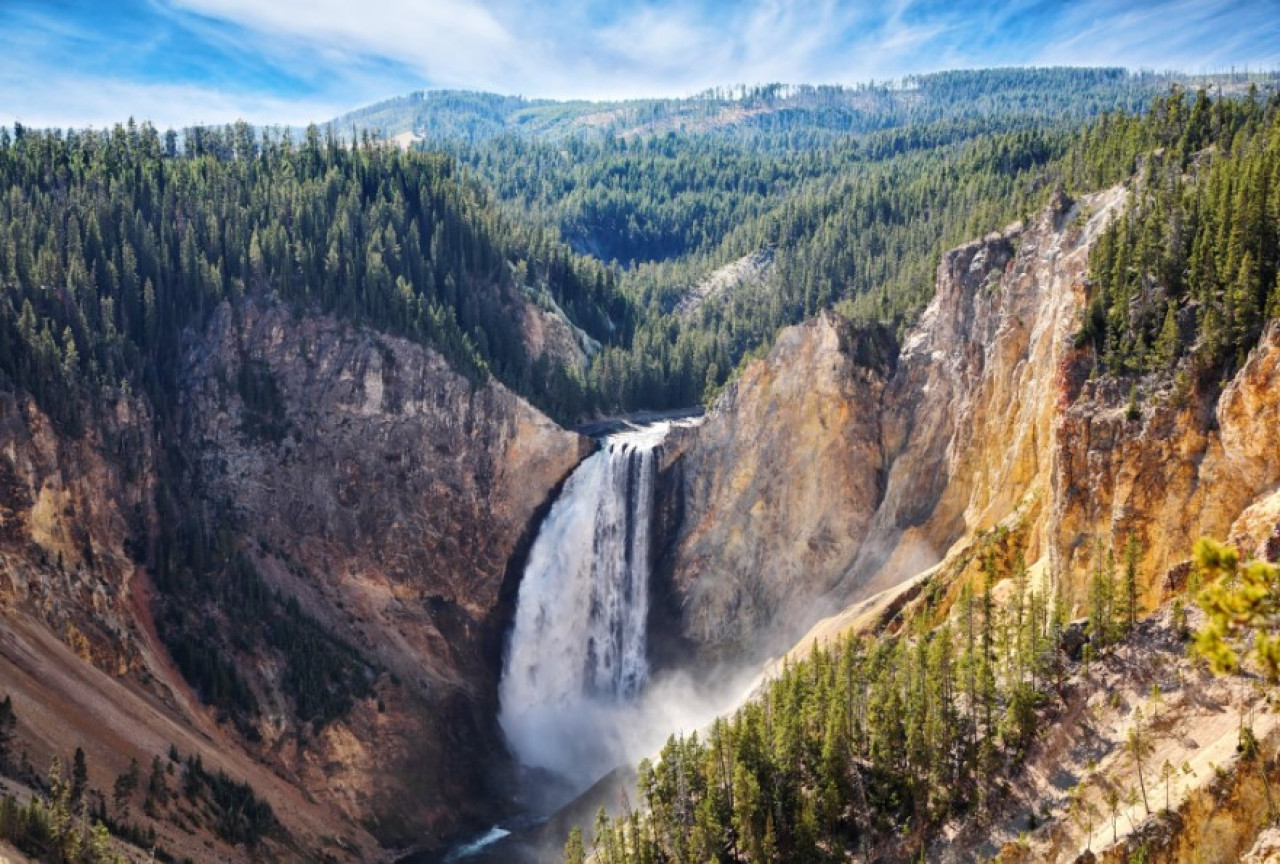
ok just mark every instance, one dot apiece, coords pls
pixel 582 745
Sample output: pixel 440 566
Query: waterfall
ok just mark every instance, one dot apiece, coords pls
pixel 577 655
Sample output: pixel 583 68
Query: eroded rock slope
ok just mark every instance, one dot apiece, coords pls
pixel 366 482
pixel 821 477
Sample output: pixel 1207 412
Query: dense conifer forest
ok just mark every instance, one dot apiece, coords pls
pixel 1191 269
pixel 869 737
pixel 117 241
pixel 777 117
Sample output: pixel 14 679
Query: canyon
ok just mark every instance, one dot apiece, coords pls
pixel 397 503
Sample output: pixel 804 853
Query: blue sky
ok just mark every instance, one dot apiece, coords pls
pixel 175 62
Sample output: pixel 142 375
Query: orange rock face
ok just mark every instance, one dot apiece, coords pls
pixel 818 480
pixel 388 499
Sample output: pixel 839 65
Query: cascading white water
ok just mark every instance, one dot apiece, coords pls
pixel 577 655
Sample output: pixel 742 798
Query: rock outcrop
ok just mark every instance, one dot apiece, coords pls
pixel 1186 463
pixel 71 503
pixel 387 495
pixel 388 499
pixel 778 486
pixel 79 655
pixel 819 476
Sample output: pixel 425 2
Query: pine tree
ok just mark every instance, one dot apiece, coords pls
pixel 969 662
pixel 574 850
pixel 8 723
pixel 122 791
pixel 1168 342
pixel 157 785
pixel 1139 747
pixel 79 779
pixel 1112 797
pixel 1167 773
pixel 1102 599
pixel 1243 301
pixel 1240 600
pixel 100 848
pixel 1083 811
pixel 1130 600
pixel 1251 751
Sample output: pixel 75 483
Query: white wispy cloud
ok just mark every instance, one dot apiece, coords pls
pixel 1189 35
pixel 79 102
pixel 292 61
pixel 454 42
pixel 685 48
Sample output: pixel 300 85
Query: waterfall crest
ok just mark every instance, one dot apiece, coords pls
pixel 577 654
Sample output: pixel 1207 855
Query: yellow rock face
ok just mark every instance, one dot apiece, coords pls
pixel 1184 469
pixel 819 480
pixel 780 484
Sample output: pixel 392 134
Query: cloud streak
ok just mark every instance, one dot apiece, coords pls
pixel 75 62
pixel 1188 35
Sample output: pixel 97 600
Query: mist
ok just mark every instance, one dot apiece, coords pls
pixel 581 746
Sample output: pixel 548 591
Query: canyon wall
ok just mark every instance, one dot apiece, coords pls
pixel 822 476
pixel 389 503
pixel 383 493
pixel 777 487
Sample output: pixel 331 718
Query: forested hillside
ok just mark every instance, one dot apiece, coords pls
pixel 773 116
pixel 866 738
pixel 857 219
pixel 1191 270
pixel 118 240
pixel 115 242
pixel 134 266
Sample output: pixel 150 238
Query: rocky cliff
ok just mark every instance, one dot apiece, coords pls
pixel 777 488
pixel 822 475
pixel 389 501
pixel 69 507
pixel 993 416
pixel 374 490
pixel 1185 462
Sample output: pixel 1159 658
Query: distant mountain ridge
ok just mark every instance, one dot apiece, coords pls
pixel 772 109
